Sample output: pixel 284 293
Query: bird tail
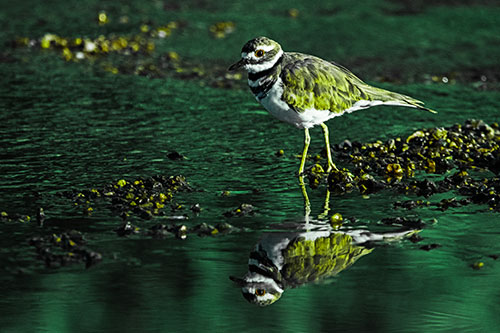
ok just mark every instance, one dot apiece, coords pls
pixel 392 98
pixel 412 102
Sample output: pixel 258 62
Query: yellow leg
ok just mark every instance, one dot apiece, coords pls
pixel 331 166
pixel 307 203
pixel 307 140
pixel 326 206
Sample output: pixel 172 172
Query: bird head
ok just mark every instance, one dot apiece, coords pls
pixel 258 289
pixel 258 54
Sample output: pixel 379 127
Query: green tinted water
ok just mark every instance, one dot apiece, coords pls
pixel 68 125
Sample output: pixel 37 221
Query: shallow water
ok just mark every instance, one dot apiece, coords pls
pixel 69 126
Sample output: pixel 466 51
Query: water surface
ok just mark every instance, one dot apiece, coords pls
pixel 72 126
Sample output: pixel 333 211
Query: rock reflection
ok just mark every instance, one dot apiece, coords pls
pixel 304 253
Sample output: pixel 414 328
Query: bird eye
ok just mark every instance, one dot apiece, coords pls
pixel 260 292
pixel 259 53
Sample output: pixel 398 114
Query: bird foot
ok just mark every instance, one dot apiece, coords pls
pixel 340 176
pixel 332 167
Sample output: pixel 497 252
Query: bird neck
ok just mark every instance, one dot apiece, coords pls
pixel 260 263
pixel 266 72
pixel 261 82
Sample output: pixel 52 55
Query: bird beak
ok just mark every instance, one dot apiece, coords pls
pixel 237 65
pixel 240 282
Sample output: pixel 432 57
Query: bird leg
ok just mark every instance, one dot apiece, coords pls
pixel 307 203
pixel 307 140
pixel 331 165
pixel 326 206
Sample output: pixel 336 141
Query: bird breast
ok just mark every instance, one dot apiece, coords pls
pixel 278 108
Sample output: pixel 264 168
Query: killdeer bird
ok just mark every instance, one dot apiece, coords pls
pixel 283 260
pixel 305 90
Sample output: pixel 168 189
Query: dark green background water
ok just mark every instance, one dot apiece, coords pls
pixel 72 125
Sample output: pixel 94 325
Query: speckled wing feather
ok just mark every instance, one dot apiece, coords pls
pixel 311 82
pixel 308 260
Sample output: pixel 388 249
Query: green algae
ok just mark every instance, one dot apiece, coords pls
pixel 143 197
pixel 458 153
pixel 460 161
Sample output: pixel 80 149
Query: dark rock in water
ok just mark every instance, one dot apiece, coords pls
pixel 175 156
pixel 403 221
pixel 340 181
pixel 180 231
pixel 345 145
pixel 4 217
pixel 452 203
pixel 368 185
pixel 92 258
pixel 477 265
pixel 280 153
pixel 225 227
pixel 143 213
pixel 63 249
pixel 196 208
pixel 415 238
pixel 411 204
pixel 243 210
pixel 204 229
pixel 494 164
pixel 315 175
pixel 127 229
pixel 429 247
pixel 160 231
pixel 340 176
pixel 424 188
pixel 176 207
pixel 454 181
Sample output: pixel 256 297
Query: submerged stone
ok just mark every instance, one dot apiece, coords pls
pixel 243 210
pixel 127 229
pixel 415 238
pixel 429 247
pixel 477 265
pixel 63 249
pixel 175 156
pixel 196 208
pixel 406 222
pixel 160 231
pixel 225 227
pixel 204 229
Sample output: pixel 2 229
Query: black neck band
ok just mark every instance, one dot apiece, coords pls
pixel 258 75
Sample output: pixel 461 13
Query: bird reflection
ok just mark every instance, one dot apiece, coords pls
pixel 307 203
pixel 302 253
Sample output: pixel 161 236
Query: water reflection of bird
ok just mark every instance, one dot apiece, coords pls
pixel 283 260
pixel 306 91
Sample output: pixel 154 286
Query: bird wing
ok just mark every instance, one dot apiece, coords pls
pixel 311 82
pixel 314 260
